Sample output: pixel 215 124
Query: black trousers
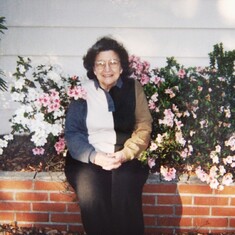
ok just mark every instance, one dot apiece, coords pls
pixel 110 201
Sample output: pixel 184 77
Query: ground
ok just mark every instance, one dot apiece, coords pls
pixel 12 230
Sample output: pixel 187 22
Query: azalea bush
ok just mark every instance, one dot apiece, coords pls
pixel 43 93
pixel 193 112
pixel 3 85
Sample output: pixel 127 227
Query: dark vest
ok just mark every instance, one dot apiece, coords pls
pixel 124 115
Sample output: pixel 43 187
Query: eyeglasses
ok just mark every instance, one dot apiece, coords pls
pixel 113 64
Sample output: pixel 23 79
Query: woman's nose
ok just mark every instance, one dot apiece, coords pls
pixel 107 66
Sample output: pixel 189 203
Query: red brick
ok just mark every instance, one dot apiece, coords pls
pixel 186 200
pixel 5 196
pixel 188 210
pixel 63 197
pixel 73 207
pixel 174 199
pixel 194 189
pixel 232 223
pixel 192 231
pixel 222 211
pixel 147 199
pixel 15 206
pixel 227 190
pixel 160 188
pixel 8 184
pixel 66 218
pixel 49 186
pixel 32 217
pixel 232 201
pixel 158 231
pixel 149 220
pixel 210 200
pixel 6 216
pixel 58 207
pixel 186 222
pixel 31 196
pixel 174 221
pixel 158 210
pixel 210 222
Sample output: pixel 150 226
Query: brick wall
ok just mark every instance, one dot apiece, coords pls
pixel 45 200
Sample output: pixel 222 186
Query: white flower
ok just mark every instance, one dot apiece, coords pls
pixel 214 157
pixel 22 69
pixel 19 97
pixel 59 113
pixel 218 148
pixel 32 94
pixel 227 179
pixel 179 138
pixel 154 97
pixel 54 76
pixel 39 138
pixel 222 170
pixel 56 129
pixel 214 183
pixel 231 142
pixel 160 138
pixel 3 143
pixel 8 137
pixel 19 84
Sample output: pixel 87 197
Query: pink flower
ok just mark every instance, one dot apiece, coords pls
pixel 38 151
pixel 144 79
pixel 157 81
pixel 184 153
pixel 202 175
pixel 199 88
pixel 151 105
pixel 181 73
pixel 168 118
pixel 53 107
pixel 214 183
pixel 74 78
pixel 170 92
pixel 44 100
pixel 227 179
pixel 154 97
pixel 54 93
pixel 151 162
pixel 77 92
pixel 153 146
pixel 60 145
pixel 168 173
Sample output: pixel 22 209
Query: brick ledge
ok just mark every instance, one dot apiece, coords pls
pixel 59 176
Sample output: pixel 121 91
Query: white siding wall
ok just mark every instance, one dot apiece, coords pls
pixel 60 31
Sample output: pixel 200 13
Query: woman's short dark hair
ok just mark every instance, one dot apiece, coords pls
pixel 106 44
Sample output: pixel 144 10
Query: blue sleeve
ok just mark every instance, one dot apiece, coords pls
pixel 76 133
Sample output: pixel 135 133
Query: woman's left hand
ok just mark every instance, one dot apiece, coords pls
pixel 120 156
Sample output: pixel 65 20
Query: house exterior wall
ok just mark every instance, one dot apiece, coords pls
pixel 60 32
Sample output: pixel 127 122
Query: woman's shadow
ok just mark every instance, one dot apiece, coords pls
pixel 162 206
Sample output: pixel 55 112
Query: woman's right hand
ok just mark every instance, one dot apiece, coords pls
pixel 106 161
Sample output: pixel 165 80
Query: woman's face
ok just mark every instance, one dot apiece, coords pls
pixel 107 69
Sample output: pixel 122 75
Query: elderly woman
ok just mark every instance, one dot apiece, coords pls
pixel 105 135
